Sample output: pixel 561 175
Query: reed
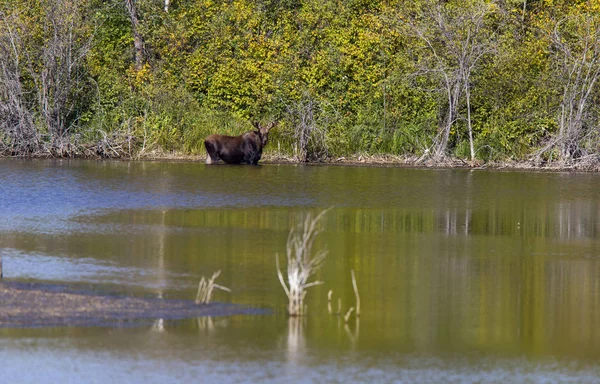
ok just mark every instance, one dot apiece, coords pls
pixel 301 263
pixel 347 316
pixel 206 288
pixel 355 293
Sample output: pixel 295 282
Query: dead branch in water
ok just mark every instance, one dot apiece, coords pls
pixel 355 293
pixel 206 288
pixel 301 265
pixel 347 316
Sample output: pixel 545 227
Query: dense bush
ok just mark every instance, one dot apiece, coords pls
pixel 479 79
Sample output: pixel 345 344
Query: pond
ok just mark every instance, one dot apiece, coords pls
pixel 464 275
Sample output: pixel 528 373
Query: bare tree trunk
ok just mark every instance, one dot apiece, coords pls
pixel 457 40
pixel 37 115
pixel 138 42
pixel 309 137
pixel 469 125
pixel 305 127
pixel 577 45
pixel 453 91
pixel 16 120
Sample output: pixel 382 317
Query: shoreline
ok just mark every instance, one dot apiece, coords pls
pixel 588 165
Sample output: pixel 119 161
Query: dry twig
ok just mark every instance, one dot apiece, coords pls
pixel 206 288
pixel 356 293
pixel 347 316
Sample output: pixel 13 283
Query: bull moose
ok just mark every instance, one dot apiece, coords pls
pixel 243 149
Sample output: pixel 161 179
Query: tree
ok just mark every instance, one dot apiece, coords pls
pixel 457 38
pixel 138 41
pixel 43 78
pixel 575 44
pixel 16 120
pixel 309 131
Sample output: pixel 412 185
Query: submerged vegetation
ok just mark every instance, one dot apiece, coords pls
pixel 483 80
pixel 35 305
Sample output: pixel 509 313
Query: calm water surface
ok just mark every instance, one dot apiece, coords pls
pixel 465 276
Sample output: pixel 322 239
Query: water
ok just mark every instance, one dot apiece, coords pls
pixel 464 276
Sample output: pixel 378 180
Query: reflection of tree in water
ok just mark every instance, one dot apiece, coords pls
pixel 353 335
pixel 206 323
pixel 158 325
pixel 296 340
pixel 504 270
pixel 296 343
pixel 160 268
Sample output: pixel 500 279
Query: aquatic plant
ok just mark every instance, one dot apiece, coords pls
pixel 301 264
pixel 355 293
pixel 206 288
pixel 347 316
pixel 351 309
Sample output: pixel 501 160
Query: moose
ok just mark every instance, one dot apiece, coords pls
pixel 244 149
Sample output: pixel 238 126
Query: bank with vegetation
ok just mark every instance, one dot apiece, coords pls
pixel 427 80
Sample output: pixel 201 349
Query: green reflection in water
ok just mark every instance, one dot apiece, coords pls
pixel 446 261
pixel 429 280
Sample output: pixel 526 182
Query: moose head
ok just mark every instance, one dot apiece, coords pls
pixel 243 149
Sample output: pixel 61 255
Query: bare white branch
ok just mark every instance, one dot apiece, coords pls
pixel 206 288
pixel 301 263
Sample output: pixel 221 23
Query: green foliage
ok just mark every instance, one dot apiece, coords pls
pixel 215 66
pixel 206 122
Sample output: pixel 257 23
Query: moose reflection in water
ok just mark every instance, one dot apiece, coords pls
pixel 244 149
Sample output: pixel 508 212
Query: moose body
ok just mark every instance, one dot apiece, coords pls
pixel 244 149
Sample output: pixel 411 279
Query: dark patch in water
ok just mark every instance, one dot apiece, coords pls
pixel 34 305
